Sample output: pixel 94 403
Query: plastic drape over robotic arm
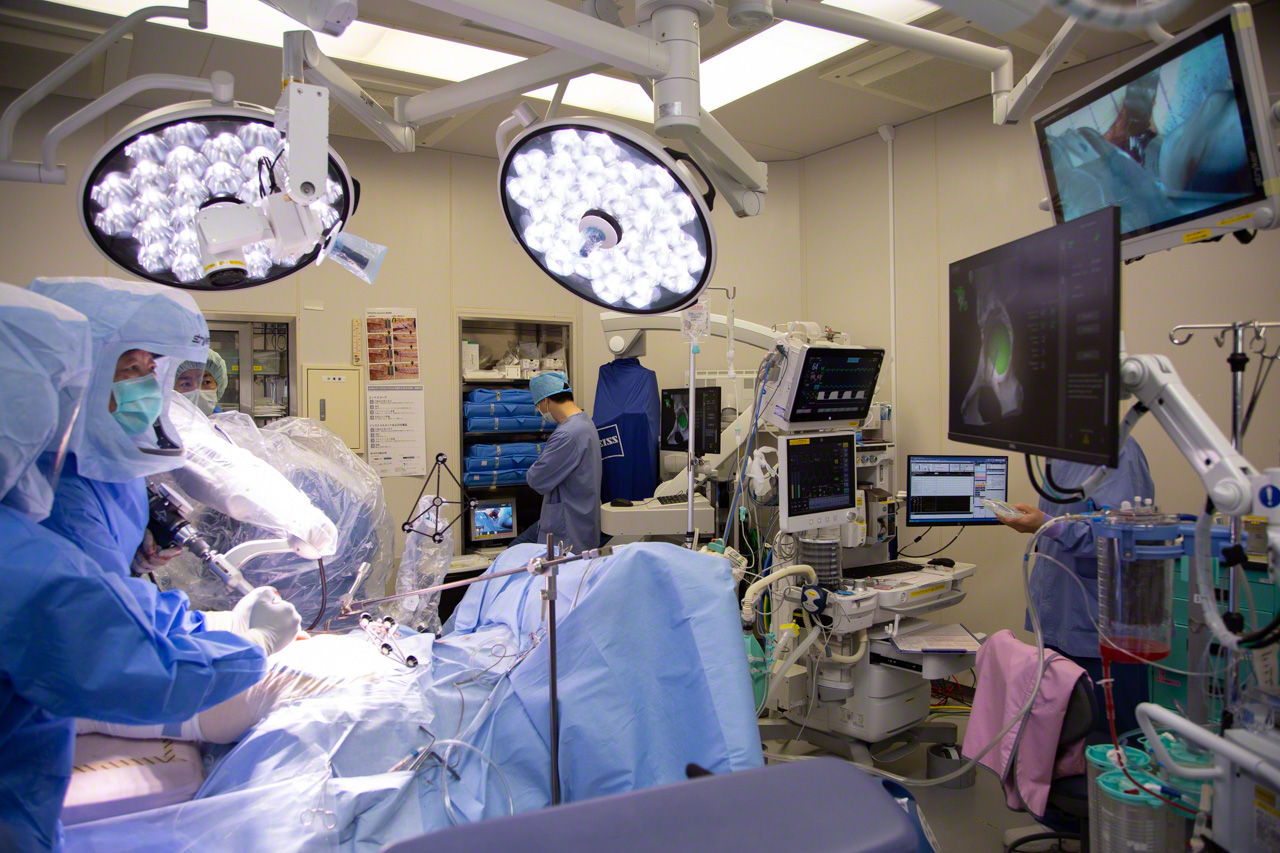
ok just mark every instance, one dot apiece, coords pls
pixel 335 481
pixel 424 563
pixel 234 482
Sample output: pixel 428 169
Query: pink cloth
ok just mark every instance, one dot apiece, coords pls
pixel 1006 672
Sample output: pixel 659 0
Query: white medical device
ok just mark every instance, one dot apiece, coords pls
pixel 819 382
pixel 817 481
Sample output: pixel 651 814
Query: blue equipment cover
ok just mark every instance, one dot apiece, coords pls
pixel 511 448
pixel 480 410
pixel 520 423
pixel 494 478
pixel 487 464
pixel 627 415
pixel 500 395
pixel 707 813
pixel 637 706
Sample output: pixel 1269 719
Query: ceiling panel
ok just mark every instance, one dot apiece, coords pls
pixel 794 117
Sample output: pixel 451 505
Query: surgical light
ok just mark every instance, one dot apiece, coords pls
pixel 608 214
pixel 168 198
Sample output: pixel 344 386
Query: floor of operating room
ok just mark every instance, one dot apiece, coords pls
pixel 963 819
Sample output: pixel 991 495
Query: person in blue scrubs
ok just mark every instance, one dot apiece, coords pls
pixel 567 474
pixel 76 640
pixel 1068 618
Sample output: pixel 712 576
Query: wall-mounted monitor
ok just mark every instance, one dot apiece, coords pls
pixel 1180 140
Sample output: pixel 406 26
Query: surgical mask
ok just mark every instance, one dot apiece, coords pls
pixel 203 399
pixel 546 416
pixel 138 403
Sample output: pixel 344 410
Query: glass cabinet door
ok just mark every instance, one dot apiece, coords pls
pixel 261 362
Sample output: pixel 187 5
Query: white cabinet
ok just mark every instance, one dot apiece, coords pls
pixel 335 397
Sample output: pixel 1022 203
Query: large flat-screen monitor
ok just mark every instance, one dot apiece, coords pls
pixel 677 420
pixel 1035 343
pixel 493 520
pixel 948 490
pixel 817 480
pixel 1180 139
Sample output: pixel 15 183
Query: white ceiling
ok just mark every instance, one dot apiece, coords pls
pixel 797 116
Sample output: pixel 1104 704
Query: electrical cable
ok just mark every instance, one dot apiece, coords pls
pixel 1040 490
pixel 1048 478
pixel 1259 382
pixel 324 596
pixel 931 553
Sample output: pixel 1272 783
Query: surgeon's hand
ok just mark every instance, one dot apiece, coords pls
pixel 149 558
pixel 269 620
pixel 1029 522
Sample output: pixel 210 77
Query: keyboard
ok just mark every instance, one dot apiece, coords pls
pixel 876 570
pixel 683 497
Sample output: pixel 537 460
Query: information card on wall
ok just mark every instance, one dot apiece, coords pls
pixel 391 337
pixel 397 430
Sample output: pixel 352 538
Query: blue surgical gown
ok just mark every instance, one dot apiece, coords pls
pixel 77 641
pixel 104 520
pixel 1066 616
pixel 567 475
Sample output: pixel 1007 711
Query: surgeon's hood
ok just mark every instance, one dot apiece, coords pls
pixel 45 365
pixel 127 315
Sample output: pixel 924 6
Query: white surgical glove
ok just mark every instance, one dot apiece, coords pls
pixel 262 617
pixel 149 558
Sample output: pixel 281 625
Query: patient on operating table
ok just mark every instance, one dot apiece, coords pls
pixel 302 670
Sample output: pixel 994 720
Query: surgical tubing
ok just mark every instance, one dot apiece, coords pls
pixel 753 591
pixel 444 776
pixel 1251 763
pixel 780 672
pixel 1202 577
pixel 849 660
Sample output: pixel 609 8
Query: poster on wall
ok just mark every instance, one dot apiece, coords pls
pixel 397 430
pixel 391 340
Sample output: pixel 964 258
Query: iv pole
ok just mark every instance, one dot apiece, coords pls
pixel 1238 359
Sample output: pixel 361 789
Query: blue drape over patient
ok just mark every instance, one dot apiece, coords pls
pixel 652 676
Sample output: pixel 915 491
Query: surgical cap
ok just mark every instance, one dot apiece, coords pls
pixel 128 315
pixel 214 366
pixel 544 385
pixel 45 365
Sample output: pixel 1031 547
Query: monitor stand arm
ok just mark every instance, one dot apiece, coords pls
pixel 1227 476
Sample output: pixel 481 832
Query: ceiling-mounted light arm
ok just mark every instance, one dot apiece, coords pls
pixel 555 26
pixel 492 87
pixel 997 60
pixel 304 60
pixel 740 179
pixel 1010 108
pixel 220 87
pixel 195 14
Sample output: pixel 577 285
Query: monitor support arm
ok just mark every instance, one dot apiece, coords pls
pixel 1227 476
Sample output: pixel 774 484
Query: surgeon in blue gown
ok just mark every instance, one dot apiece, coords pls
pixel 1067 617
pixel 76 640
pixel 567 474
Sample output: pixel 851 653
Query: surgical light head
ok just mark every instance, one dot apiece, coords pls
pixel 608 214
pixel 190 196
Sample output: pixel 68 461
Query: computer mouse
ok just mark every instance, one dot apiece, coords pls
pixel 943 561
pixel 620 502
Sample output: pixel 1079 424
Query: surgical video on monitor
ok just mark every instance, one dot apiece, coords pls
pixel 1169 145
pixel 493 521
pixel 1034 343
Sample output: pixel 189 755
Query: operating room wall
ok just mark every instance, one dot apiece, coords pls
pixel 962 186
pixel 450 252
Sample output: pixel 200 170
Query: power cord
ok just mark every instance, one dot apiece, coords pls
pixel 931 553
